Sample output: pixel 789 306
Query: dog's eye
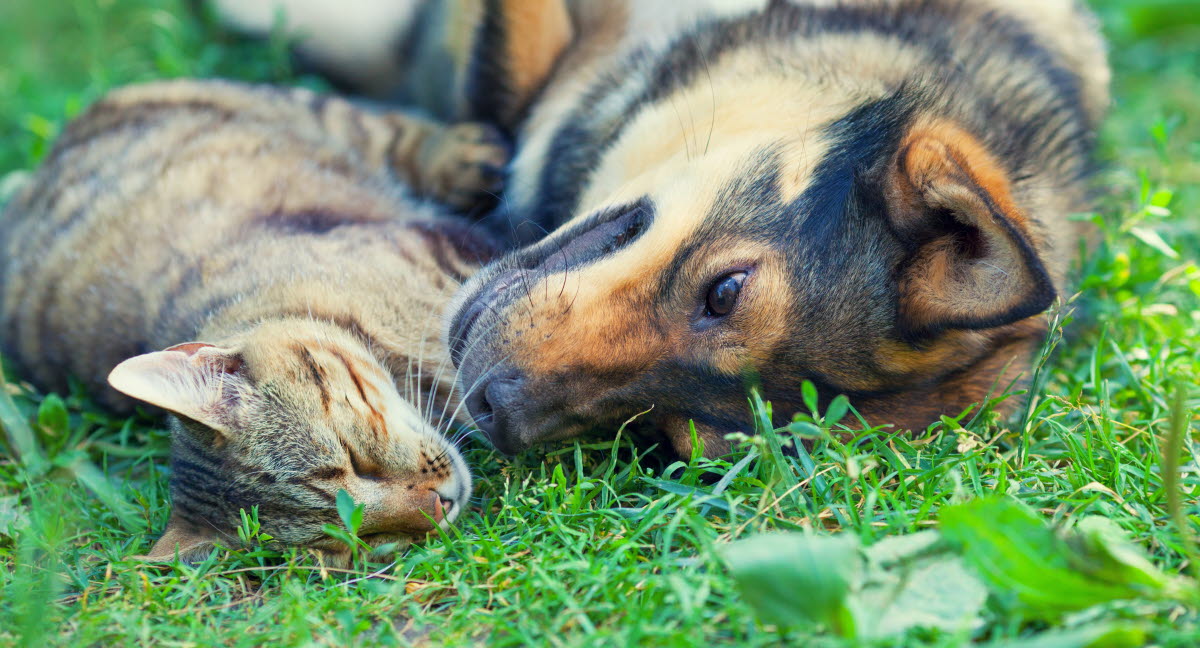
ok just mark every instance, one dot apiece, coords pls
pixel 723 294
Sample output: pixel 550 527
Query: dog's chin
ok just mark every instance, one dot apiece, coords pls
pixel 521 434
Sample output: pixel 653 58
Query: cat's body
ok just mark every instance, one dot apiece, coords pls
pixel 269 225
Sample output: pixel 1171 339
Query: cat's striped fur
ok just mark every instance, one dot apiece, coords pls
pixel 266 239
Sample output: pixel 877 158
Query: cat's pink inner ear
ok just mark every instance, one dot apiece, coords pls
pixel 214 356
pixel 201 385
pixel 191 348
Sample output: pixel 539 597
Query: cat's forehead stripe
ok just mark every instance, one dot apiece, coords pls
pixel 317 373
pixel 376 422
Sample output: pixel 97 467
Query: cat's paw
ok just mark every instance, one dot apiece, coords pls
pixel 464 167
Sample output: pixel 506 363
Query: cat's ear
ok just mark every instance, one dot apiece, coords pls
pixel 973 261
pixel 182 539
pixel 195 380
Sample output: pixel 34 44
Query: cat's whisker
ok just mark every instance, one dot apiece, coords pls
pixel 466 393
pixel 454 383
pixel 431 396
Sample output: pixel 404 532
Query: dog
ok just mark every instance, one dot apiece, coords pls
pixel 871 195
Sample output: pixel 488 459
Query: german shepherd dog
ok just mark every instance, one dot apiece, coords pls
pixel 872 195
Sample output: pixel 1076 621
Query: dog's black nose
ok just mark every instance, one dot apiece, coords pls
pixel 494 406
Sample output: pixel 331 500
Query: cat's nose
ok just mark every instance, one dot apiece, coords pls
pixel 442 508
pixel 495 406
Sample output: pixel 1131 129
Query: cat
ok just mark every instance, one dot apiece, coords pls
pixel 268 241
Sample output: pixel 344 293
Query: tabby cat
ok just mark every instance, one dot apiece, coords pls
pixel 263 238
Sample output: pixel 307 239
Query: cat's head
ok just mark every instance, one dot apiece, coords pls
pixel 282 418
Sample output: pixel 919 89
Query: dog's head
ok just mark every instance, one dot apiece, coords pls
pixel 878 256
pixel 750 225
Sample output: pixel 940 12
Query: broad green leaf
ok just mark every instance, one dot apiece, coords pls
pixel 805 430
pixel 916 581
pixel 1101 551
pixel 895 550
pixel 837 409
pixel 934 593
pixel 797 578
pixel 386 549
pixel 1100 635
pixel 338 533
pixel 52 415
pixel 345 509
pixel 809 393
pixel 1024 561
pixel 897 584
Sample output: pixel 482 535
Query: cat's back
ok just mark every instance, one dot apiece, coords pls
pixel 170 187
pixel 192 145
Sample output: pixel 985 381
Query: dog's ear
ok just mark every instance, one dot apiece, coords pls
pixel 510 50
pixel 973 259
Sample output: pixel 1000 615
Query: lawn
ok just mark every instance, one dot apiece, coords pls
pixel 601 543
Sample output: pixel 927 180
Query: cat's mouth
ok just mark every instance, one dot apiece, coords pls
pixel 384 537
pixel 438 517
pixel 443 509
pixel 435 517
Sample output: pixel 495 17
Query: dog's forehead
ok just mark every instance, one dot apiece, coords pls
pixel 751 176
pixel 660 155
pixel 697 114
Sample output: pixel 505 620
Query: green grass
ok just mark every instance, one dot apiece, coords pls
pixel 591 544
